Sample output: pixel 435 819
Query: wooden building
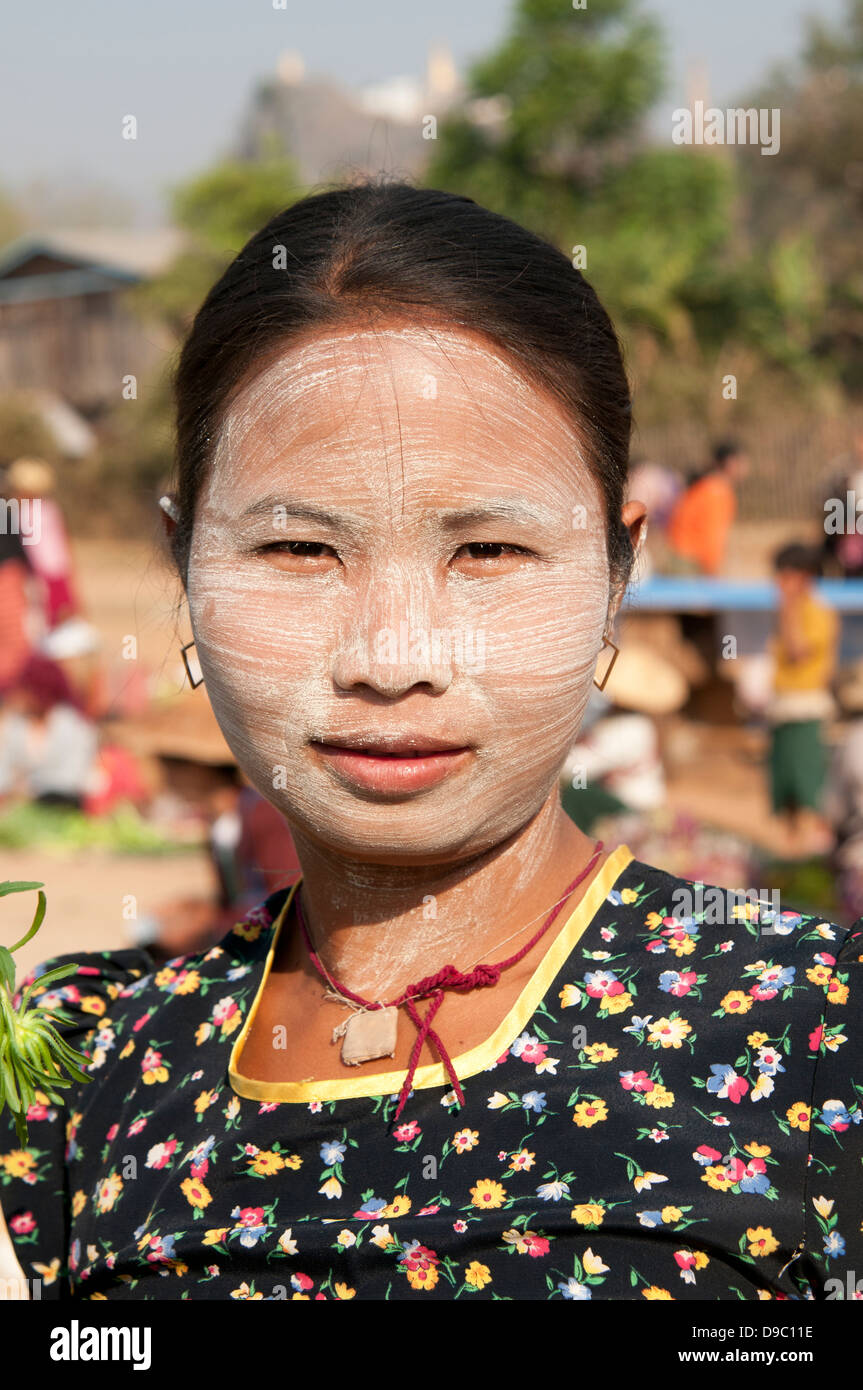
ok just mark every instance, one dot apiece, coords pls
pixel 66 328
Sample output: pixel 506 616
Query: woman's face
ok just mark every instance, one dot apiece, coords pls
pixel 399 541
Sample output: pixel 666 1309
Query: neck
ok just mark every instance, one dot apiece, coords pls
pixel 379 927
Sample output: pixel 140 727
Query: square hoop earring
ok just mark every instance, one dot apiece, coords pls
pixel 193 683
pixel 606 641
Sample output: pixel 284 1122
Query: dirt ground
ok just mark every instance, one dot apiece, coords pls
pixel 715 774
pixel 87 895
pixel 128 590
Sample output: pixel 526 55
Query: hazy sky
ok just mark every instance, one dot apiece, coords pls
pixel 69 72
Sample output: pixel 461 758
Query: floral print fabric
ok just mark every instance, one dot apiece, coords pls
pixel 680 1118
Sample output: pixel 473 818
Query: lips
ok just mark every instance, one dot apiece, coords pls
pixel 391 764
pixel 391 745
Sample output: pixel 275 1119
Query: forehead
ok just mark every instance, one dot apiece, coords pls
pixel 439 405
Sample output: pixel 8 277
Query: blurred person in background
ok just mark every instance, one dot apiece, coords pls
pixel 250 848
pixel 843 800
pixel 15 641
pixel 76 646
pixel 804 648
pixel 47 744
pixel 249 845
pixel 698 527
pixel 842 548
pixel 49 553
pixel 658 487
pixel 617 766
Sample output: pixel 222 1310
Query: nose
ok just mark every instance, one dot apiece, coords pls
pixel 395 638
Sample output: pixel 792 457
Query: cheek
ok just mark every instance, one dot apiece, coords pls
pixel 262 651
pixel 247 620
pixel 542 647
pixel 543 637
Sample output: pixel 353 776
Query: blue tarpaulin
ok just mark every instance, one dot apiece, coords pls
pixel 682 594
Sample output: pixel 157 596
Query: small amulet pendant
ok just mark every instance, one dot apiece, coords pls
pixel 369 1035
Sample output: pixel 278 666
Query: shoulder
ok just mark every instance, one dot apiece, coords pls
pixel 750 925
pixel 723 489
pixel 235 959
pixel 256 927
pixel 80 987
pixel 102 977
pixel 755 987
pixel 107 993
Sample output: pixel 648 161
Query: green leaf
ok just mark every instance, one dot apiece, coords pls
pixel 38 918
pixel 7 1078
pixel 58 973
pixel 7 969
pixel 32 1051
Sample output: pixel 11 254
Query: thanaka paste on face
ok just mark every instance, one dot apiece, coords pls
pixel 387 430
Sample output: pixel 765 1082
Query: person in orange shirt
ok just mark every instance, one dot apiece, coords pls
pixel 698 527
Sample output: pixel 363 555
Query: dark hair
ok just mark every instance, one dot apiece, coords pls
pixel 46 681
pixel 723 451
pixel 805 559
pixel 387 250
pixel 227 773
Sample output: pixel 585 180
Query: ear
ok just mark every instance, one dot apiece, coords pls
pixel 169 514
pixel 634 518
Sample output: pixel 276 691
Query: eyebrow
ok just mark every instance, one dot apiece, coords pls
pixel 267 505
pixel 497 509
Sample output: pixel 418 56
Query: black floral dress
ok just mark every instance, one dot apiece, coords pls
pixel 670 1110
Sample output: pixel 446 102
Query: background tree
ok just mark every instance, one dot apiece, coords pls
pixel 569 156
pixel 218 210
pixel 805 205
pixel 710 258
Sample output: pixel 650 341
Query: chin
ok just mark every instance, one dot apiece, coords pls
pixel 452 829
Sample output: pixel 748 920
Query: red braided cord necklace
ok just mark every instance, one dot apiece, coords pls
pixel 448 977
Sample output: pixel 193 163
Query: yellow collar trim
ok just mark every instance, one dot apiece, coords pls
pixel 468 1063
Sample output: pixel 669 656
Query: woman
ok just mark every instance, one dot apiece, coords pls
pixel 15 580
pixel 34 480
pixel 403 428
pixel 48 746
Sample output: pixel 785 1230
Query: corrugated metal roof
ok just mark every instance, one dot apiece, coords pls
pixel 131 254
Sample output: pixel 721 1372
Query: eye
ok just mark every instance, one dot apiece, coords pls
pixel 298 555
pixel 492 550
pixel 490 556
pixel 314 548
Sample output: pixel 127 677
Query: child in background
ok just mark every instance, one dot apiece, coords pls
pixel 804 648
